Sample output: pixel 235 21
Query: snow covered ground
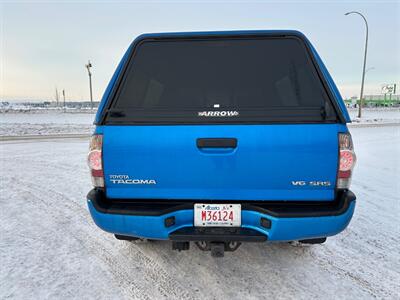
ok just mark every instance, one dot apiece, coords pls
pixel 378 115
pixel 50 248
pixel 45 123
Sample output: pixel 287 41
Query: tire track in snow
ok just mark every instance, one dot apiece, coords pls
pixel 155 281
pixel 327 263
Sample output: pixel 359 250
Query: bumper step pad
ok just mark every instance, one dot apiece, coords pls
pixel 217 234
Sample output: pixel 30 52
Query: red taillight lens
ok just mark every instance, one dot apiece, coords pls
pixel 347 160
pixel 95 160
pixel 344 174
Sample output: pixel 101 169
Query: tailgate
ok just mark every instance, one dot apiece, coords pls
pixel 269 162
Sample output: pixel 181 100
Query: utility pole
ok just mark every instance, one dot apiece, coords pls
pixel 63 92
pixel 57 96
pixel 88 66
pixel 365 60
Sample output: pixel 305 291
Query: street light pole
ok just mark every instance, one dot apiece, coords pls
pixel 63 92
pixel 88 66
pixel 365 59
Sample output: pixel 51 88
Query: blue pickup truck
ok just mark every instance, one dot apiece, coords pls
pixel 221 138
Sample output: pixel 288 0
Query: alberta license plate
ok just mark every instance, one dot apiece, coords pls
pixel 215 215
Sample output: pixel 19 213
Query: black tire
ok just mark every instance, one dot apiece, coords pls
pixel 125 237
pixel 314 241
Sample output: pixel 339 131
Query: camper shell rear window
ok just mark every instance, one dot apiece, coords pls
pixel 220 80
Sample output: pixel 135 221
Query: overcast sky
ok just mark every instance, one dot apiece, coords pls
pixel 46 44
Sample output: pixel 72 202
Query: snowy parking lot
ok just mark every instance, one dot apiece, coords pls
pixel 50 247
pixel 45 123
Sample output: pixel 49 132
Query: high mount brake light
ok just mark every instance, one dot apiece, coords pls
pixel 347 160
pixel 94 160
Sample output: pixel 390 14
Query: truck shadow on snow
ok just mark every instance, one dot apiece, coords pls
pixel 249 258
pixel 194 274
pixel 252 268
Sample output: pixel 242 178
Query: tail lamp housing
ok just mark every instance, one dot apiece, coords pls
pixel 95 161
pixel 347 161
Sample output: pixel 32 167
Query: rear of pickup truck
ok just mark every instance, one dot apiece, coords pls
pixel 222 137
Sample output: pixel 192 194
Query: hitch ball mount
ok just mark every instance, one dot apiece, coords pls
pixel 216 248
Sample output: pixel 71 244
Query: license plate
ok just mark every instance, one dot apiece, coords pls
pixel 215 215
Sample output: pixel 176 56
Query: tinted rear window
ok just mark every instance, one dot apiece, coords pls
pixel 221 80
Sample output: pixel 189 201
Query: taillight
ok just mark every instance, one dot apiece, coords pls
pixel 95 160
pixel 347 160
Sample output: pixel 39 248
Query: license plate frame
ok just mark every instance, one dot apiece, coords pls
pixel 217 215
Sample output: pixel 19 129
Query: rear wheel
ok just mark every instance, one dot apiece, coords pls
pixel 125 237
pixel 314 241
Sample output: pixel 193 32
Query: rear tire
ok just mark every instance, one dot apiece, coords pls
pixel 125 237
pixel 314 241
